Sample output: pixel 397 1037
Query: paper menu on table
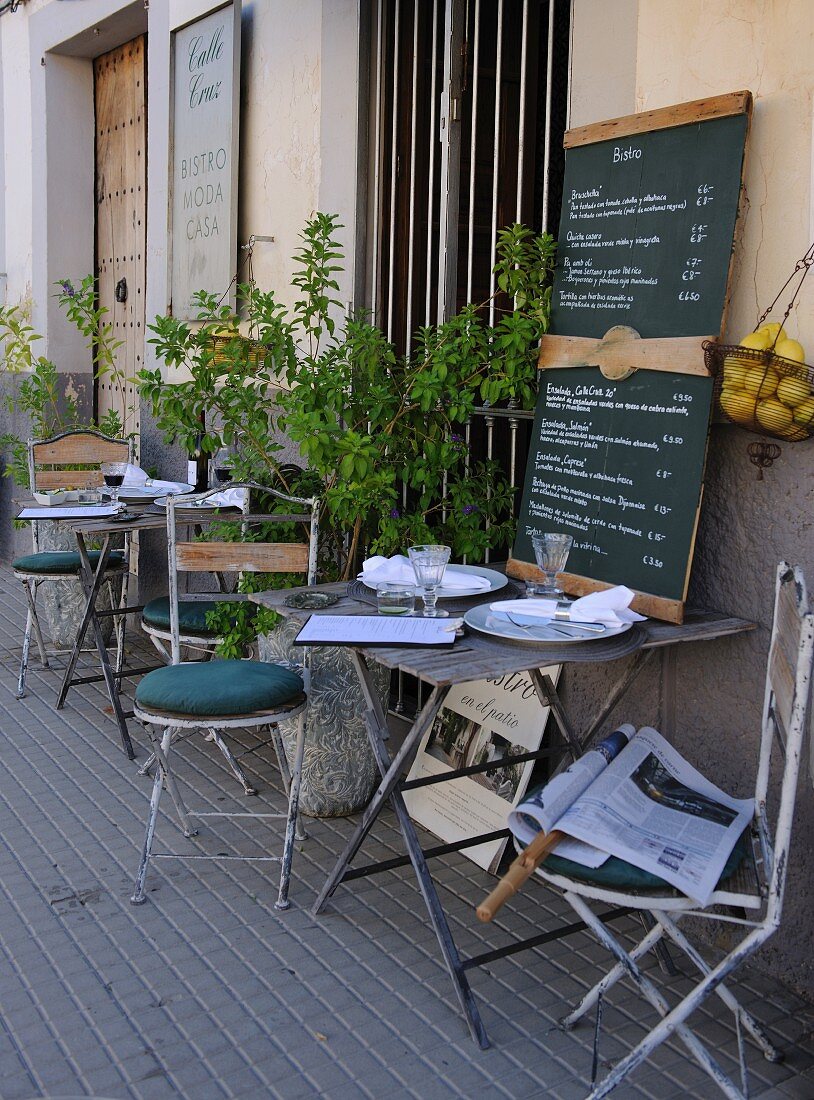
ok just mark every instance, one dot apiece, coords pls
pixel 57 511
pixel 376 630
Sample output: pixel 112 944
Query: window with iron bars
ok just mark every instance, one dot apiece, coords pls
pixel 466 108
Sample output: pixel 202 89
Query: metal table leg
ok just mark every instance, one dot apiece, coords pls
pixel 391 771
pixel 91 582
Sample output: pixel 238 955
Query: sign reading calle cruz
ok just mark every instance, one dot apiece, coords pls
pixel 204 160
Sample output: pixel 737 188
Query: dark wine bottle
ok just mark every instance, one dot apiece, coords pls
pixel 198 466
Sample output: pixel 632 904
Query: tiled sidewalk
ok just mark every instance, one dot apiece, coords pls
pixel 207 992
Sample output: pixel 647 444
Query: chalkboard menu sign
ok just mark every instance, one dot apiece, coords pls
pixel 646 231
pixel 650 213
pixel 618 466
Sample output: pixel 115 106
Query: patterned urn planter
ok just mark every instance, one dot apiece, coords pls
pixel 339 771
pixel 63 601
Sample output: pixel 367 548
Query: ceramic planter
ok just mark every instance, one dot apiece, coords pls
pixel 339 770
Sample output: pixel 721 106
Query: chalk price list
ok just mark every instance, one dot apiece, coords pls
pixel 586 281
pixel 608 465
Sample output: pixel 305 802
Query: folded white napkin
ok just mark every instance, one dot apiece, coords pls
pixel 612 607
pixel 378 570
pixel 134 476
pixel 229 498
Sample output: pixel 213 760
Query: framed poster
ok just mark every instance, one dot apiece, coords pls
pixel 204 157
pixel 480 722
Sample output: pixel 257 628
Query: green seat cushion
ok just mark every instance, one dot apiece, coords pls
pixel 618 874
pixel 191 615
pixel 62 562
pixel 218 688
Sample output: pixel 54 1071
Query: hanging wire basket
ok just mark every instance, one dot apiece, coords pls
pixel 224 346
pixel 760 389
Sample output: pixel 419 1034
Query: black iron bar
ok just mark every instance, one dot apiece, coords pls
pixel 428 853
pixel 474 769
pixel 544 937
pixel 124 674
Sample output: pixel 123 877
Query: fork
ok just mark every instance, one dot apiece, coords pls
pixel 528 629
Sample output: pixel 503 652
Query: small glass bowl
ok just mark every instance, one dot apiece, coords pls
pixel 395 598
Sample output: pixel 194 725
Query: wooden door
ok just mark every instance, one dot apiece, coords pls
pixel 121 217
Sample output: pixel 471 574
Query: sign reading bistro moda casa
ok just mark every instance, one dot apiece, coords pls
pixel 204 161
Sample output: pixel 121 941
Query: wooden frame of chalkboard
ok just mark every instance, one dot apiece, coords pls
pixel 652 204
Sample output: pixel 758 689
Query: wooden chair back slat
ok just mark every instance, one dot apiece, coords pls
pixel 79 449
pixel 67 479
pixel 233 557
pixel 784 657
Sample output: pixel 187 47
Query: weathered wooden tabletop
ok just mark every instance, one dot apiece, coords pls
pixel 475 657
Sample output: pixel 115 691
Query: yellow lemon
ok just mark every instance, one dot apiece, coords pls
pixel 761 381
pixel 773 416
pixel 735 372
pixel 738 406
pixel 793 433
pixel 804 413
pixel 790 349
pixel 774 331
pixel 758 341
pixel 792 390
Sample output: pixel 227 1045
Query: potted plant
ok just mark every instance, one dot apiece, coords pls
pixel 382 434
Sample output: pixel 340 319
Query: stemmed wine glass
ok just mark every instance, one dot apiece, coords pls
pixel 551 552
pixel 429 563
pixel 113 474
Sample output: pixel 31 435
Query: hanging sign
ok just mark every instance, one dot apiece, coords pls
pixel 204 156
pixel 650 213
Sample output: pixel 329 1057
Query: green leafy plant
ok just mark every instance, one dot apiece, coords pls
pixel 383 434
pixel 37 394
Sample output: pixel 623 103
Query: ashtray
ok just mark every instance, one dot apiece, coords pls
pixel 123 517
pixel 310 599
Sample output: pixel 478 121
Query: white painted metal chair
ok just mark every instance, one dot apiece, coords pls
pixel 218 696
pixel 749 900
pixel 68 460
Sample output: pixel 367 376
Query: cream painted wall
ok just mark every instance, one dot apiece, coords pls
pixel 14 72
pixel 280 132
pixel 680 50
pixel 695 49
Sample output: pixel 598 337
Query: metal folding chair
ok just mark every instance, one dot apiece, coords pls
pixel 70 459
pixel 218 696
pixel 750 900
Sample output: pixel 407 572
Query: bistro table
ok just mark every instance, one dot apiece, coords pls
pixel 137 518
pixel 476 657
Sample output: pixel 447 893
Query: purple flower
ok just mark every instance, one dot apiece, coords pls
pixel 458 439
pixel 395 513
pixel 468 509
pixel 67 289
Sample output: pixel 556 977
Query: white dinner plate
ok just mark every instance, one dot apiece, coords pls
pixel 485 621
pixel 134 494
pixel 496 582
pixel 196 505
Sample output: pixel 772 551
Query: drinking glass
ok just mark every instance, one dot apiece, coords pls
pixel 429 563
pixel 395 598
pixel 222 466
pixel 551 552
pixel 113 474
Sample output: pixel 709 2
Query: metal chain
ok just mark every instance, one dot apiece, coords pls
pixel 802 265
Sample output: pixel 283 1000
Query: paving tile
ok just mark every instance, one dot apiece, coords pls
pixel 207 993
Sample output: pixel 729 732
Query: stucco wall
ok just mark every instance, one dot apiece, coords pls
pixel 684 51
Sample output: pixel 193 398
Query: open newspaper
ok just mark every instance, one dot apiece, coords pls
pixel 635 797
